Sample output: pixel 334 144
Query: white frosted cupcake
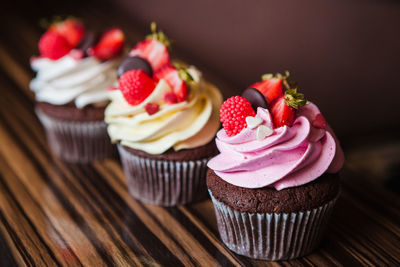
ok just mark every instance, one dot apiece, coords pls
pixel 74 72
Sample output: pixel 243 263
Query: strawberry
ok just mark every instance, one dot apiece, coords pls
pixel 153 51
pixel 71 29
pixel 282 113
pixel 53 45
pixel 270 88
pixel 283 108
pixel 110 45
pixel 136 86
pixel 170 98
pixel 172 76
pixel 233 113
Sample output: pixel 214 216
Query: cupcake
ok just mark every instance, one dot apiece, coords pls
pixel 164 117
pixel 275 181
pixel 74 71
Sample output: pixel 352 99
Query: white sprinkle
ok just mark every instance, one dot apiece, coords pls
pixel 263 131
pixel 253 122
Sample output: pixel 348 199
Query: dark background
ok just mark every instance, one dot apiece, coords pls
pixel 344 54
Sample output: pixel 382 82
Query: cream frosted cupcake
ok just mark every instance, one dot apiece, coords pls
pixel 164 118
pixel 275 181
pixel 74 72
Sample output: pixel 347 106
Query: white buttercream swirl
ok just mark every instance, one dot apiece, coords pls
pixel 83 81
pixel 188 124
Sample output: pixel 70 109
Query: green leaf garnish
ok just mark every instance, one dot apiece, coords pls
pixel 160 36
pixel 292 97
pixel 295 99
pixel 183 73
pixel 267 76
pixel 277 75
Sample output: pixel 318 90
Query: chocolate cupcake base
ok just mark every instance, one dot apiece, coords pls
pixel 77 141
pixel 271 236
pixel 164 182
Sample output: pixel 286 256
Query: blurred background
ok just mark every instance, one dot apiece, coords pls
pixel 344 54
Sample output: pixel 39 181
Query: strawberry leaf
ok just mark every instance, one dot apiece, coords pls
pixel 267 76
pixel 295 99
pixel 160 36
pixel 277 76
pixel 183 73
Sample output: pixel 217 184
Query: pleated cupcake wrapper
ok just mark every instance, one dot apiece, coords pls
pixel 164 182
pixel 77 142
pixel 271 236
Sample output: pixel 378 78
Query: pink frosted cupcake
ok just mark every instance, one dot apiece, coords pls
pixel 74 71
pixel 274 182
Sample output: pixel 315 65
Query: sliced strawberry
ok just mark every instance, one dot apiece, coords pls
pixel 270 88
pixel 71 29
pixel 153 51
pixel 170 98
pixel 283 108
pixel 110 45
pixel 171 75
pixel 282 114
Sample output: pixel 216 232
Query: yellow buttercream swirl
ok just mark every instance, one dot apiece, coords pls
pixel 188 124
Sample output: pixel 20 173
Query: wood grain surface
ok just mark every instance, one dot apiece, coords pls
pixel 58 214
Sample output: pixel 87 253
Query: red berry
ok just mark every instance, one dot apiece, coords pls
pixel 71 29
pixel 136 86
pixel 271 88
pixel 282 114
pixel 170 74
pixel 170 98
pixel 319 121
pixel 110 45
pixel 53 45
pixel 153 51
pixel 233 113
pixel 151 108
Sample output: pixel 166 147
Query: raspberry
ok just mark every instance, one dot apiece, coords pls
pixel 233 113
pixel 136 86
pixel 53 45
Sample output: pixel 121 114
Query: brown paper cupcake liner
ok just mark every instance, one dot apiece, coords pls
pixel 164 182
pixel 77 142
pixel 271 236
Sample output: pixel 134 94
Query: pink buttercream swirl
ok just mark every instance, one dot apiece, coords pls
pixel 290 156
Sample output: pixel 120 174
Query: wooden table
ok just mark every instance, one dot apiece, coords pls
pixel 54 213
